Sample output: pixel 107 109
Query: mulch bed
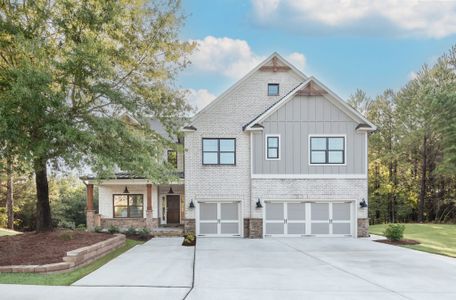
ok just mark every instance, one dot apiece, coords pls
pixel 44 248
pixel 401 242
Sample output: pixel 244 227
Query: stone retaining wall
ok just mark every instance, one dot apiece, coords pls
pixel 73 259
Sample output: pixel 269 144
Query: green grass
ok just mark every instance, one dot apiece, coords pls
pixel 64 278
pixel 434 238
pixel 4 232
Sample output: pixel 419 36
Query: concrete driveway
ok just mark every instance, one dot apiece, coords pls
pixel 313 268
pixel 318 268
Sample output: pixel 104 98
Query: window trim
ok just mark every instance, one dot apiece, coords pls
pixel 278 89
pixel 266 147
pixel 344 136
pixel 218 152
pixel 128 206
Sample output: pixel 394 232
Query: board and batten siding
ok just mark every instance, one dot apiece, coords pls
pixel 294 122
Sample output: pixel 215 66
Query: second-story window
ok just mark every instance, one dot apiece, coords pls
pixel 172 158
pixel 326 150
pixel 219 151
pixel 273 89
pixel 272 147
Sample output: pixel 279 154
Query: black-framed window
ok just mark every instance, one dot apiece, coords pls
pixel 172 158
pixel 128 205
pixel 219 151
pixel 273 89
pixel 327 150
pixel 273 147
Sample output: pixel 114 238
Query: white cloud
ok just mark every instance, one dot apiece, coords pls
pixel 199 98
pixel 232 58
pixel 427 18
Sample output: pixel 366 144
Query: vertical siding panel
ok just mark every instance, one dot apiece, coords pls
pixel 296 147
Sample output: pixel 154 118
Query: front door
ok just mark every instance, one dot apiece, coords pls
pixel 173 209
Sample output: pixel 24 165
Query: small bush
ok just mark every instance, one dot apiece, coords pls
pixel 189 240
pixel 130 231
pixel 98 229
pixel 144 233
pixel 81 227
pixel 394 232
pixel 113 229
pixel 66 225
pixel 66 236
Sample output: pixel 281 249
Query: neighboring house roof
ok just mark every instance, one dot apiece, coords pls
pixel 240 81
pixel 122 175
pixel 307 87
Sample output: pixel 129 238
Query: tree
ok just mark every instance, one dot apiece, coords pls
pixel 68 71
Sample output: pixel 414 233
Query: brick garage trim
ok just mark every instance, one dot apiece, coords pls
pixel 73 259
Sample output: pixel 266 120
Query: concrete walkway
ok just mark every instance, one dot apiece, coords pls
pixel 318 268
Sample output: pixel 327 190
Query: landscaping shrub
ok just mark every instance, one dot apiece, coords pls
pixel 3 217
pixel 98 229
pixel 113 229
pixel 144 233
pixel 130 231
pixel 66 236
pixel 66 225
pixel 189 240
pixel 394 232
pixel 81 227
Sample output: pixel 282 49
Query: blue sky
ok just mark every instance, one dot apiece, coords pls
pixel 371 45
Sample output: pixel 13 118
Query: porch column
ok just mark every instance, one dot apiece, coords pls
pixel 90 212
pixel 149 216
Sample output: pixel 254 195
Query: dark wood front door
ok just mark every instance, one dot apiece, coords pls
pixel 173 205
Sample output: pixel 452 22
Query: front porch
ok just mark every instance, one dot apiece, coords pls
pixel 136 203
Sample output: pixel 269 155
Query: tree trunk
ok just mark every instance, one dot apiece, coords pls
pixel 423 180
pixel 9 195
pixel 43 210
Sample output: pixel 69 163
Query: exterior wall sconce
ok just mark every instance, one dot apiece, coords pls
pixel 191 205
pixel 258 204
pixel 363 204
pixel 126 191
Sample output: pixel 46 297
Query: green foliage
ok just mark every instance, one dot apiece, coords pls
pixel 81 227
pixel 3 217
pixel 189 240
pixel 131 231
pixel 394 232
pixel 71 70
pixel 98 229
pixel 144 233
pixel 113 229
pixel 66 236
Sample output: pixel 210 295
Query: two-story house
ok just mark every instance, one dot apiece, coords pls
pixel 277 154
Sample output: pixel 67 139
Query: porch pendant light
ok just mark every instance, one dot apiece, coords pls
pixel 191 204
pixel 126 191
pixel 170 190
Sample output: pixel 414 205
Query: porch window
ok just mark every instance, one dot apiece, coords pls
pixel 128 206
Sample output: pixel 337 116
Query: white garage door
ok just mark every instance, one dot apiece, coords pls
pixel 219 219
pixel 308 218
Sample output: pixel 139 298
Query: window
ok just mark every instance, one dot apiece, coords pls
pixel 172 158
pixel 327 150
pixel 219 151
pixel 273 89
pixel 272 147
pixel 128 206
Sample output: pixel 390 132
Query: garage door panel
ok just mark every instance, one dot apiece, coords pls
pixel 296 211
pixel 208 228
pixel 208 211
pixel 229 228
pixel 341 211
pixel 296 228
pixel 341 228
pixel 275 228
pixel 319 211
pixel 229 211
pixel 320 228
pixel 274 211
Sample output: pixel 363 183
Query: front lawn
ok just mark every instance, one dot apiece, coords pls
pixel 434 238
pixel 64 278
pixel 4 232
